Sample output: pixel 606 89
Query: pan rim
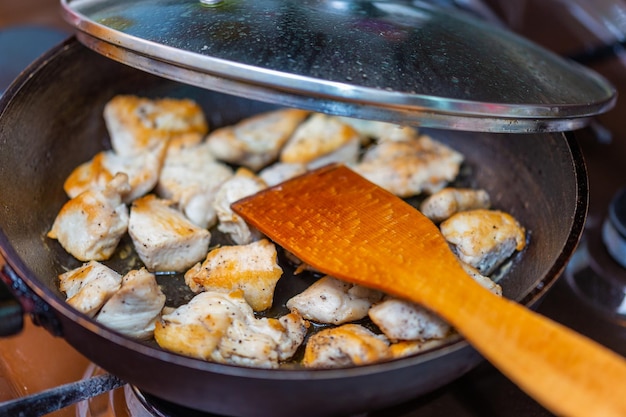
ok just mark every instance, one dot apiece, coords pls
pixel 60 307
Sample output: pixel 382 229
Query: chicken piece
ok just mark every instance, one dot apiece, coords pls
pixel 88 287
pixel 264 342
pixel 256 141
pixel 190 177
pixel 253 268
pixel 242 184
pixel 486 282
pixel 322 136
pixel 135 307
pixel 407 168
pixel 411 347
pixel 332 301
pixel 380 131
pixel 449 201
pixel 289 340
pixel 403 320
pixel 483 238
pixel 347 154
pixel 222 327
pixel 137 124
pixel 196 328
pixel 343 346
pixel 142 170
pixel 163 237
pixel 91 225
pixel 280 172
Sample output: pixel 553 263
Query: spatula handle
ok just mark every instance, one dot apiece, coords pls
pixel 566 372
pixel 347 227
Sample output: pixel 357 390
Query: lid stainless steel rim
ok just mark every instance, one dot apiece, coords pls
pixel 466 93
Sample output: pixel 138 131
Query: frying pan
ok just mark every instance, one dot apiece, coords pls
pixel 51 121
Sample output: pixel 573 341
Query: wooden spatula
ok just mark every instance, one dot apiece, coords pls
pixel 345 226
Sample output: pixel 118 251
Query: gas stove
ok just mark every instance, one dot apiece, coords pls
pixel 590 297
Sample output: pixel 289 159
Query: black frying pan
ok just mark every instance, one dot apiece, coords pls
pixel 51 121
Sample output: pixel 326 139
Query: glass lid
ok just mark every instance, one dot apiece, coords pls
pixel 406 62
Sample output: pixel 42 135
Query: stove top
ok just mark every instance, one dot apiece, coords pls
pixel 589 297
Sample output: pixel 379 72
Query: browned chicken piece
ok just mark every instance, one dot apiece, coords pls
pixel 253 268
pixel 135 307
pixel 89 286
pixel 136 124
pixel 332 301
pixel 242 184
pixel 222 327
pixel 142 170
pixel 320 140
pixel 381 131
pixel 344 346
pixel 91 225
pixel 191 176
pixel 256 141
pixel 165 240
pixel 196 328
pixel 449 201
pixel 408 168
pixel 483 238
pixel 411 347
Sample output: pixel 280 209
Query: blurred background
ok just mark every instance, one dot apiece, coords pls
pixel 27 29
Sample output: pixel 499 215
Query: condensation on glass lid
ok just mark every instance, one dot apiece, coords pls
pixel 406 59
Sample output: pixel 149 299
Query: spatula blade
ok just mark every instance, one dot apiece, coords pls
pixel 346 226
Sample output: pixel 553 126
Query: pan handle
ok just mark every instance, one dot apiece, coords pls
pixel 17 299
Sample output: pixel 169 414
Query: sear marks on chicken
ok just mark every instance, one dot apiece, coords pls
pixel 191 176
pixel 222 327
pixel 321 140
pixel 483 238
pixel 448 201
pixel 242 184
pixel 91 225
pixel 411 167
pixel 142 170
pixel 332 301
pixel 255 142
pixel 253 268
pixel 135 307
pixel 346 345
pixel 89 286
pixel 411 347
pixel 137 124
pixel 165 240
